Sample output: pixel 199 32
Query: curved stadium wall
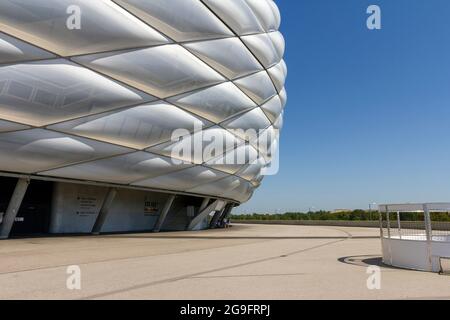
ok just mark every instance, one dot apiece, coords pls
pixel 112 108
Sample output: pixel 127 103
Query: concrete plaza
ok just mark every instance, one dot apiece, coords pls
pixel 242 262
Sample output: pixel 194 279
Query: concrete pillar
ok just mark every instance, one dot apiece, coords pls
pixel 380 219
pixel 13 207
pixel 429 236
pixel 216 218
pixel 101 218
pixel 226 213
pixel 204 204
pixel 164 212
pixel 202 215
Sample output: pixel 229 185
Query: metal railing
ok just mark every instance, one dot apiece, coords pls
pixel 426 222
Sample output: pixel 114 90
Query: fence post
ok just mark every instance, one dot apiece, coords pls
pixel 380 218
pixel 399 227
pixel 388 220
pixel 429 233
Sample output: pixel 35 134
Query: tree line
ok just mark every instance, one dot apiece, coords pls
pixel 354 215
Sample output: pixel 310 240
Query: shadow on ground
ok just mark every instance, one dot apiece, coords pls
pixel 366 261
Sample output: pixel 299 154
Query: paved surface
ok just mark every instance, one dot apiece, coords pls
pixel 243 262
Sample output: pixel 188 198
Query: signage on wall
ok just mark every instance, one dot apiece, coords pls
pixel 151 207
pixel 87 205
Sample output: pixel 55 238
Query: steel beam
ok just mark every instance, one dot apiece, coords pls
pixel 216 218
pixel 164 212
pixel 202 215
pixel 204 204
pixel 13 207
pixel 227 212
pixel 104 211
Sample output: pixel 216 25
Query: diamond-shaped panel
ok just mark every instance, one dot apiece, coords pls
pixel 161 71
pixel 217 54
pixel 258 86
pixel 31 151
pixel 183 179
pixel 181 20
pixel 44 92
pixel 215 103
pixel 137 127
pixel 236 14
pixel 123 169
pixel 14 50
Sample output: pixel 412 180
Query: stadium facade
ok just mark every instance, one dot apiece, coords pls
pixel 135 115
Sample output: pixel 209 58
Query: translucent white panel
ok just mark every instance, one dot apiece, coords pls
pixel 241 193
pixel 219 187
pixel 11 126
pixel 231 187
pixel 138 127
pixel 182 180
pixel 36 150
pixel 263 48
pixel 55 26
pixel 278 42
pixel 162 71
pixel 283 97
pixel 272 108
pixel 252 170
pixel 122 169
pixel 199 147
pixel 45 92
pixel 228 56
pixel 258 86
pixel 267 142
pixel 248 124
pixel 265 13
pixel 237 15
pixel 276 14
pixel 278 124
pixel 278 75
pixel 181 20
pixel 255 184
pixel 234 160
pixel 284 66
pixel 215 103
pixel 13 50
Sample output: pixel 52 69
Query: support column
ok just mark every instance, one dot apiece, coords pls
pixel 429 234
pixel 13 207
pixel 204 204
pixel 216 218
pixel 399 226
pixel 226 213
pixel 380 220
pixel 101 218
pixel 164 212
pixel 202 215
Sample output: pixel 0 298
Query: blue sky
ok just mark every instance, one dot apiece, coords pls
pixel 368 113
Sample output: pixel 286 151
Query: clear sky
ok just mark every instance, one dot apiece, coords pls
pixel 368 113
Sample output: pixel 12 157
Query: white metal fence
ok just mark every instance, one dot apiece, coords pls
pixel 416 236
pixel 427 222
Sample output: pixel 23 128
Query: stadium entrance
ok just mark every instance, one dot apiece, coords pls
pixel 34 214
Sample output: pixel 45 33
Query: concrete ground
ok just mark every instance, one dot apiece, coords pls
pixel 243 262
